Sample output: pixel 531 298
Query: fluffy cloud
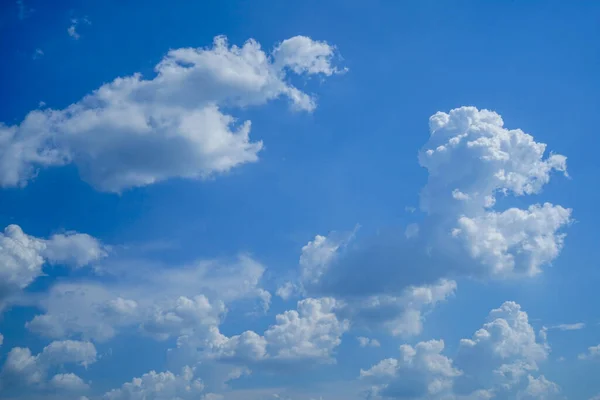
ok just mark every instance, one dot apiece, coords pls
pixel 313 331
pixel 135 131
pixel 592 353
pixel 398 310
pixel 23 368
pixel 399 315
pixel 420 372
pixel 184 316
pixel 514 241
pixel 497 362
pixel 309 334
pixel 471 159
pixel 539 388
pixel 493 160
pixel 164 302
pixel 502 353
pixel 68 383
pixel 160 386
pixel 22 256
pixel 317 256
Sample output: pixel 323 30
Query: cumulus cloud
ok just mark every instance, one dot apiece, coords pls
pixel 22 256
pixel 399 315
pixel 133 131
pixel 23 368
pixel 499 362
pixel 318 254
pixel 539 388
pixel 502 353
pixel 308 334
pixel 68 383
pixel 420 372
pixel 313 331
pixel 593 352
pixel 514 241
pixel 160 386
pixel 471 159
pixel 288 290
pixel 399 310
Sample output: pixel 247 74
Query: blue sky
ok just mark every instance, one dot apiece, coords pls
pixel 410 213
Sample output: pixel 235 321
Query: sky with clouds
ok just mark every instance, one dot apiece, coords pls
pixel 340 200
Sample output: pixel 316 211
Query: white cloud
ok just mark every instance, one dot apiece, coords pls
pixel 288 290
pixel 305 56
pixel 569 327
pixel 497 362
pixel 469 151
pixel 163 302
pixel 539 388
pixel 73 249
pixel 318 254
pixel 75 22
pixel 23 368
pixel 502 352
pixel 367 342
pixel 514 241
pixel 313 331
pixel 68 382
pixel 72 31
pixel 135 132
pixel 309 334
pixel 471 159
pixel 184 316
pixel 399 315
pixel 22 256
pixel 399 310
pixel 160 386
pixel 420 372
pixel 593 352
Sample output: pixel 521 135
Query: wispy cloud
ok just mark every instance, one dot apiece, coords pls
pixel 72 30
pixel 23 11
pixel 38 53
pixel 569 327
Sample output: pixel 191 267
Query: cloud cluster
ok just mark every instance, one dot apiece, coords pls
pixel 160 386
pixel 22 257
pixel 308 334
pixel 420 372
pixel 498 362
pixel 389 280
pixel 175 127
pixel 22 369
pixel 133 131
pixel 502 353
pixel 161 302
